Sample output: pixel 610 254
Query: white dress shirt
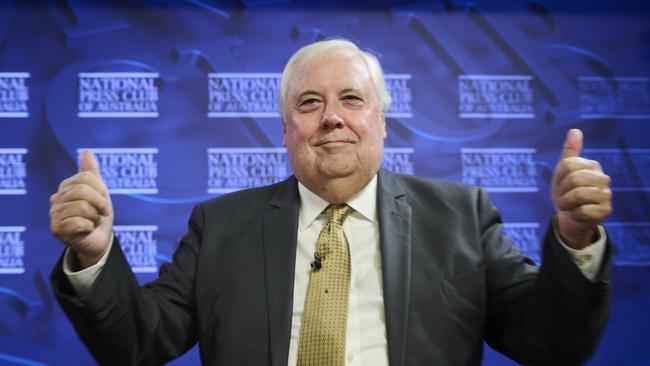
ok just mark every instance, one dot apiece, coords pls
pixel 366 332
pixel 366 342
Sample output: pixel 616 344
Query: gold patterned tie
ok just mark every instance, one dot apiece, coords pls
pixel 324 321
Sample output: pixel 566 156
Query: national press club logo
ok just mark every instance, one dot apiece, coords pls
pixel 500 169
pixel 118 94
pixel 629 168
pixel 495 96
pixel 233 169
pixel 398 160
pixel 400 92
pixel 614 97
pixel 256 95
pixel 525 236
pixel 12 249
pixel 14 94
pixel 139 245
pixel 243 94
pixel 13 171
pixel 128 170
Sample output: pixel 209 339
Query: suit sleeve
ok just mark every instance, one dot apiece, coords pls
pixel 554 316
pixel 122 323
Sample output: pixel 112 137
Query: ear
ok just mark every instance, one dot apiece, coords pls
pixel 284 133
pixel 383 124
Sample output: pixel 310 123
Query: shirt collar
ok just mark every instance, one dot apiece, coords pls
pixel 311 205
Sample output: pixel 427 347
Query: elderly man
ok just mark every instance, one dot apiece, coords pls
pixel 341 263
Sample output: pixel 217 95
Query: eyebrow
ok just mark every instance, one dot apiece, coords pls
pixel 354 90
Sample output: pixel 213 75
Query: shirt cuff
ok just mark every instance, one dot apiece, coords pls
pixel 83 280
pixel 589 258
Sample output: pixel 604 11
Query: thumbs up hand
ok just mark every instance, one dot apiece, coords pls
pixel 81 213
pixel 581 194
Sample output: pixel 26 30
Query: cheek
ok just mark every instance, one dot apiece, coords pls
pixel 302 127
pixel 297 136
pixel 376 133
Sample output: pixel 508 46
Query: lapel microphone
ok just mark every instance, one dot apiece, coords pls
pixel 317 263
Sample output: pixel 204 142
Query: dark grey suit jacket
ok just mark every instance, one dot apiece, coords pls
pixel 450 280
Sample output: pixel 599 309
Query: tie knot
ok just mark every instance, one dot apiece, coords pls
pixel 338 214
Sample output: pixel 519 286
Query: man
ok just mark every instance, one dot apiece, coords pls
pixel 429 274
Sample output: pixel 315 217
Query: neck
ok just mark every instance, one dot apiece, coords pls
pixel 337 190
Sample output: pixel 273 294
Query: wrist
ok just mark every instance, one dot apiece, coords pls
pixel 82 259
pixel 79 261
pixel 576 235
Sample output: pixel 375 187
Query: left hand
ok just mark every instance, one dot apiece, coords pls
pixel 581 194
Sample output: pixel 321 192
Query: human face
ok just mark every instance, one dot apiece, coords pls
pixel 334 126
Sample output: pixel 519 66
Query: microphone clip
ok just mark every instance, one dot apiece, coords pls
pixel 317 263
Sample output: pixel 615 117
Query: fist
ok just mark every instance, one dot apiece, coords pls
pixel 581 194
pixel 81 213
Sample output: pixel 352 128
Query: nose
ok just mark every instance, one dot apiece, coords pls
pixel 331 118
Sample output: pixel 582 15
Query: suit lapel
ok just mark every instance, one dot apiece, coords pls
pixel 280 240
pixel 395 241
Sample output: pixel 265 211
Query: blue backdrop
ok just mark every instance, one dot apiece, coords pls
pixel 178 100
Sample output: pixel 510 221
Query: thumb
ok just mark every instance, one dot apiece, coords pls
pixel 572 144
pixel 88 162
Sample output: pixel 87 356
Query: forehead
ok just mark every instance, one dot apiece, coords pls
pixel 337 68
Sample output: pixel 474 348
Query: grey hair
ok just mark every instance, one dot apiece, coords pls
pixel 306 54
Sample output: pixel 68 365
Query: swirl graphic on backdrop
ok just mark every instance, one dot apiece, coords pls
pixel 116 104
pixel 571 61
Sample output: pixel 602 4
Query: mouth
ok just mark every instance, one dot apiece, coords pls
pixel 333 143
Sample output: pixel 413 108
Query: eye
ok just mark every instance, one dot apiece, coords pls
pixel 307 102
pixel 352 100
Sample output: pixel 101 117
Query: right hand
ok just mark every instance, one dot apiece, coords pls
pixel 81 213
pixel 581 194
